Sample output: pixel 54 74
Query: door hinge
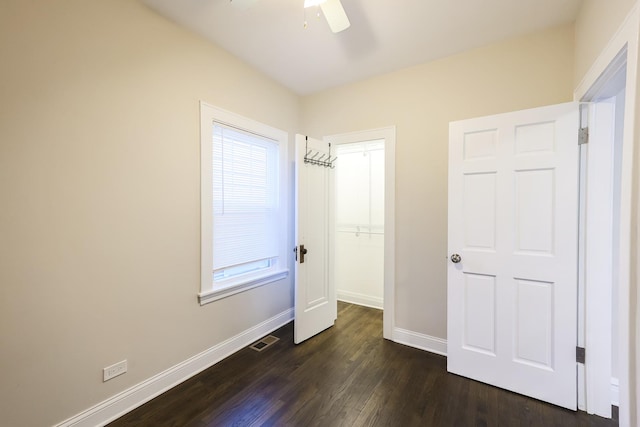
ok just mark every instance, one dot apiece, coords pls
pixel 583 136
pixel 580 355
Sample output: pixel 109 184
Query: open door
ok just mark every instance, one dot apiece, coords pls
pixel 513 243
pixel 315 295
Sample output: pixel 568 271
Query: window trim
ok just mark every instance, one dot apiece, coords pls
pixel 208 292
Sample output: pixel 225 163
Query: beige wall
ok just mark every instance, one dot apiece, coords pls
pixel 99 186
pixel 597 22
pixel 421 101
pixel 99 182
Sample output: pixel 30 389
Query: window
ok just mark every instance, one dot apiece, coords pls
pixel 243 205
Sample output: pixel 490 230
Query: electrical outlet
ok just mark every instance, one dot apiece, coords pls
pixel 114 370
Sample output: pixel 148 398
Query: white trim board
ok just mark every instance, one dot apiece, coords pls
pixel 420 341
pixel 626 38
pixel 118 405
pixel 359 299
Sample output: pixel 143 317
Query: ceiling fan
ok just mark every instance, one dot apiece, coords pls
pixel 331 9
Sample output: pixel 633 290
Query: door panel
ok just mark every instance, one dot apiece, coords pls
pixel 513 219
pixel 534 323
pixel 480 313
pixel 315 297
pixel 534 211
pixel 480 210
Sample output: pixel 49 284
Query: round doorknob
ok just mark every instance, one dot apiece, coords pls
pixel 455 258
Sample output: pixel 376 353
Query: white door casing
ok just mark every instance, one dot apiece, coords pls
pixel 513 219
pixel 315 296
pixel 389 136
pixel 598 249
pixel 624 42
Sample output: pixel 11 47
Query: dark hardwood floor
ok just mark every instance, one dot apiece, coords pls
pixel 346 376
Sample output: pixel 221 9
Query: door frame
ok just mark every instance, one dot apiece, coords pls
pixel 603 70
pixel 389 135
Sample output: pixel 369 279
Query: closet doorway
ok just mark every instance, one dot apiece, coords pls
pixel 358 233
pixel 362 238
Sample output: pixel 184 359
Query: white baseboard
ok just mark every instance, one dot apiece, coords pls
pixel 615 392
pixel 118 405
pixel 420 341
pixel 359 299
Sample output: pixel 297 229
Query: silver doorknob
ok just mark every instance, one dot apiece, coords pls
pixel 455 258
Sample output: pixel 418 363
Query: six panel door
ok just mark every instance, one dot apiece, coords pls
pixel 513 221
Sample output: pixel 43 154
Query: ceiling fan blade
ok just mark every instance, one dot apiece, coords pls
pixel 335 14
pixel 243 4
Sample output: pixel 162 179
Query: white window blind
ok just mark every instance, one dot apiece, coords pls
pixel 245 202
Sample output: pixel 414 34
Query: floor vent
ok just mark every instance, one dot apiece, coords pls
pixel 264 343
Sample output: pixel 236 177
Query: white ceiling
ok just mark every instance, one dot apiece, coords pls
pixel 385 35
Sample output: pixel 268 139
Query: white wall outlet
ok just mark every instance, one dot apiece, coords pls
pixel 114 370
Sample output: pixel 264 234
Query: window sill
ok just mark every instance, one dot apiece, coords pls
pixel 224 292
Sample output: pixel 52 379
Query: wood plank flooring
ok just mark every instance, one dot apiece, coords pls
pixel 345 376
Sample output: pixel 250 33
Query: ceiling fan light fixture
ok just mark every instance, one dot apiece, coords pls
pixel 335 14
pixel 311 3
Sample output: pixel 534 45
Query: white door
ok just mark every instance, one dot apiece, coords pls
pixel 513 238
pixel 315 296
